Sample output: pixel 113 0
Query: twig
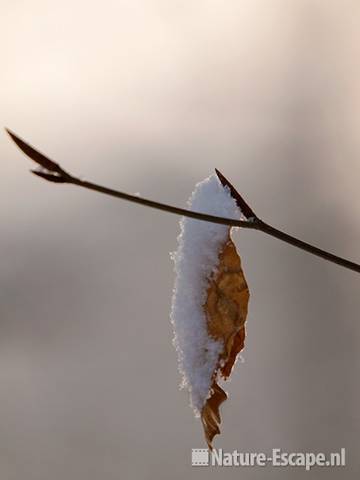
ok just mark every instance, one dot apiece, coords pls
pixel 274 232
pixel 52 172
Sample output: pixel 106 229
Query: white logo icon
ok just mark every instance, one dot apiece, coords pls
pixel 200 457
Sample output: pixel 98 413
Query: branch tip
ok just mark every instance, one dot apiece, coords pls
pixel 246 210
pixel 35 155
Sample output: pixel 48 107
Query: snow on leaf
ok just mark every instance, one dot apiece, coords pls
pixel 209 303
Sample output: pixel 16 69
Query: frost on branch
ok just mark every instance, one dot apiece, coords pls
pixel 209 304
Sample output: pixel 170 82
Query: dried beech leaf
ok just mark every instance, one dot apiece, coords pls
pixel 226 309
pixel 210 300
pixel 210 414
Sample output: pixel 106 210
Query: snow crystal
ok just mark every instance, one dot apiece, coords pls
pixel 195 260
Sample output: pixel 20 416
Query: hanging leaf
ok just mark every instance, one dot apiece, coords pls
pixel 210 301
pixel 226 309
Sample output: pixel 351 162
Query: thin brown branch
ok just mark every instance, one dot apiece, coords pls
pixel 274 232
pixel 161 206
pixel 53 172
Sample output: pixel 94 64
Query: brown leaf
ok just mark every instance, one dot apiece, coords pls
pixel 226 309
pixel 210 414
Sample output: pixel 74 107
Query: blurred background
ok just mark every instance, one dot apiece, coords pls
pixel 148 96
